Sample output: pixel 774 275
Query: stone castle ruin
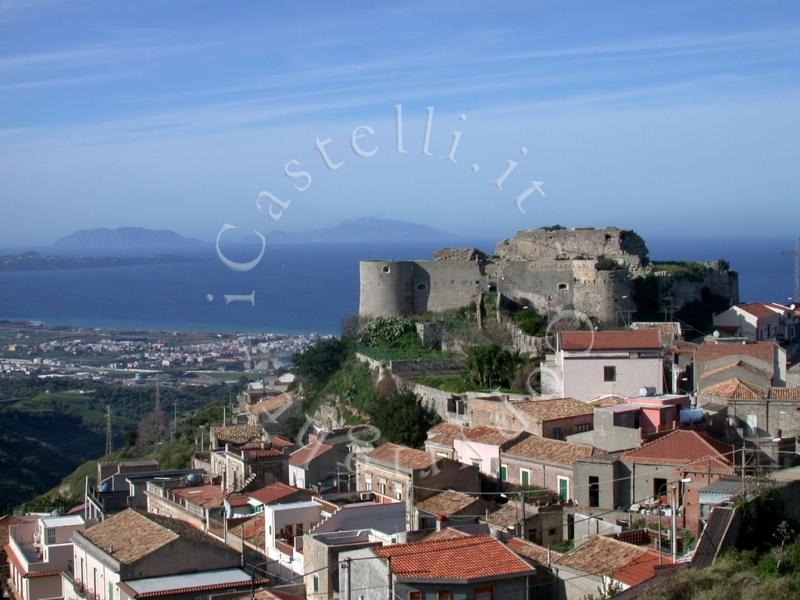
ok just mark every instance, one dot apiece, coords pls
pixel 592 271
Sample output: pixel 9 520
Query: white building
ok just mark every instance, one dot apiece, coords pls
pixel 591 364
pixel 758 321
pixel 37 553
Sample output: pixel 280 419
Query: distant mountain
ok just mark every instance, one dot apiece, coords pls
pixel 127 240
pixel 367 229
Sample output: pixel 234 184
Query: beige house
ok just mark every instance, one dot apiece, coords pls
pixel 133 553
pixel 555 418
pixel 395 473
pixel 590 364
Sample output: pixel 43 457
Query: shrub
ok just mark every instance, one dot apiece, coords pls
pixel 387 331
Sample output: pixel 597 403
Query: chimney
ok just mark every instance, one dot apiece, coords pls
pixel 440 522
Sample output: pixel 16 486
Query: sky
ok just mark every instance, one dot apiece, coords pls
pixel 673 118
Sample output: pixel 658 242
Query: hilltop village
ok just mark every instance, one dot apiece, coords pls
pixel 564 419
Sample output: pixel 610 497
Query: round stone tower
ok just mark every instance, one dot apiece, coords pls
pixel 387 288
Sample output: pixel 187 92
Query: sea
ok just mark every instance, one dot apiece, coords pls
pixel 299 288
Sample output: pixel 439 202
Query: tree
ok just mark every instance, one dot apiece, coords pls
pixel 151 430
pixel 491 366
pixel 402 419
pixel 320 361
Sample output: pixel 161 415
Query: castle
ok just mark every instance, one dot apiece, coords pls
pixel 553 269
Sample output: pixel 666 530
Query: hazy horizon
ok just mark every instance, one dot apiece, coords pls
pixel 676 117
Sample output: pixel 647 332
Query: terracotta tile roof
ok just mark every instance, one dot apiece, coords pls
pixel 461 559
pixel 6 521
pixel 557 408
pixel 757 309
pixel 446 503
pixel 237 434
pixel 201 495
pixel 448 533
pixel 402 456
pixel 789 393
pixel 709 350
pixel 306 454
pixel 509 514
pixel 534 552
pixel 681 447
pixel 490 435
pixel 131 535
pixel 740 364
pixel 548 450
pixel 446 433
pixel 641 568
pixel 734 389
pixel 268 405
pixel 605 556
pixel 273 492
pixel 278 442
pixel 252 531
pixel 610 340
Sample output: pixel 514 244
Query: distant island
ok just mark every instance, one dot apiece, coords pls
pixel 366 229
pixel 33 261
pixel 126 240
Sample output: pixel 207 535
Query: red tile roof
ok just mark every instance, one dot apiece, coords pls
pixel 541 449
pixel 679 448
pixel 777 393
pixel 490 435
pixel 612 558
pixel 740 364
pixel 757 309
pixel 708 351
pixel 531 551
pixel 446 433
pixel 461 559
pixel 554 409
pixel 306 454
pixel 201 495
pixel 734 389
pixel 273 492
pixel 402 456
pixel 641 568
pixel 610 340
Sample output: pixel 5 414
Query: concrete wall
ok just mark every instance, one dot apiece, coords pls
pixel 367 579
pixel 545 475
pixel 440 402
pixel 583 375
pixel 608 436
pixel 507 589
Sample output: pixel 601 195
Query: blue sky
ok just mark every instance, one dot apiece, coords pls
pixel 670 117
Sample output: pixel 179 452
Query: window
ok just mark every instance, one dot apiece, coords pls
pixel 609 373
pixel 525 476
pixel 386 269
pixel 415 596
pixel 476 464
pixel 383 489
pixel 368 482
pixel 503 473
pixel 563 488
pixel 398 491
pixel 445 595
pixel 594 491
pixel 581 427
pixel 315 583
pixel 49 535
pixel 557 433
pixel 484 593
pixel 299 530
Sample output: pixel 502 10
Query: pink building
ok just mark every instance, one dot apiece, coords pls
pixel 481 447
pixel 37 553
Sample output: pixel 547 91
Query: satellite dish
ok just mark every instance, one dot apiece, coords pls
pixel 716 333
pixel 793 306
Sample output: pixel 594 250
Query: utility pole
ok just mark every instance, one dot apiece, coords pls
pixel 174 418
pixel 109 439
pixel 796 254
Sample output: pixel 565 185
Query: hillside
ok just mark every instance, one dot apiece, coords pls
pixel 49 428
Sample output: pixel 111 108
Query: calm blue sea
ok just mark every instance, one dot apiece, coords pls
pixel 298 288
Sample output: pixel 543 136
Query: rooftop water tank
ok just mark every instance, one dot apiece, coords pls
pixel 645 391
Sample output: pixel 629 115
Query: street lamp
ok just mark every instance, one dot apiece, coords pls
pixel 675 492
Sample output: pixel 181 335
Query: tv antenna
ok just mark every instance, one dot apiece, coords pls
pixel 796 254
